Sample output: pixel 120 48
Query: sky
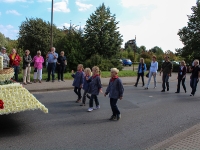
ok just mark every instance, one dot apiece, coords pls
pixel 153 22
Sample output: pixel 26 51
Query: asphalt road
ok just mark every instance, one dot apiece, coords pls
pixel 148 117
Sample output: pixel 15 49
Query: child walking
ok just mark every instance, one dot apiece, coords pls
pixel 94 88
pixel 78 81
pixel 88 74
pixel 115 90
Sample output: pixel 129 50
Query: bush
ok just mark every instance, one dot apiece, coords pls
pixel 103 64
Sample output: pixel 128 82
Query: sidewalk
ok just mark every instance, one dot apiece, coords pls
pixel 188 139
pixel 55 86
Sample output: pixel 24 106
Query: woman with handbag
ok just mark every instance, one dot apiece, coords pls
pixel 181 76
pixel 141 69
pixel 38 61
pixel 15 60
pixel 152 72
pixel 27 67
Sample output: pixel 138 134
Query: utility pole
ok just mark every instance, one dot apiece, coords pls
pixel 51 44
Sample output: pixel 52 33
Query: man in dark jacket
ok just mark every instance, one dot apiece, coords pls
pixel 166 68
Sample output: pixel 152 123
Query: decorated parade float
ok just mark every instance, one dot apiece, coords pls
pixel 13 96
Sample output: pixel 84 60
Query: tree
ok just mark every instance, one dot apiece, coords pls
pixel 190 36
pixel 157 50
pixel 101 34
pixel 3 40
pixel 34 34
pixel 73 44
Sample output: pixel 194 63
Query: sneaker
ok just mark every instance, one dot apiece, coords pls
pixel 135 85
pixel 40 81
pixel 25 83
pixel 112 117
pixel 154 87
pixel 191 95
pixel 29 82
pixel 167 89
pixel 58 80
pixel 82 105
pixel 97 107
pixel 146 88
pixel 119 116
pixel 176 92
pixel 163 91
pixel 78 101
pixel 63 80
pixel 90 109
pixel 52 80
pixel 47 80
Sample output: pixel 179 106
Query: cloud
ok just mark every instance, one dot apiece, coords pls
pixel 82 6
pixel 9 31
pixel 161 26
pixel 14 12
pixel 66 25
pixel 13 1
pixel 44 0
pixel 61 6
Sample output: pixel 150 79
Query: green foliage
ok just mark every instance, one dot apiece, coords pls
pixel 73 44
pixel 102 63
pixel 124 54
pixel 34 34
pixel 189 35
pixel 157 50
pixel 3 40
pixel 101 33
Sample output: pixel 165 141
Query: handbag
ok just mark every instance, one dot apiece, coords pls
pixel 35 70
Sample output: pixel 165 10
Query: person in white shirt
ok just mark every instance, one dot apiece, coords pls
pixel 6 59
pixel 152 71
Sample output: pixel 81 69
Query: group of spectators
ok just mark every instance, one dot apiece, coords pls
pixel 53 60
pixel 166 69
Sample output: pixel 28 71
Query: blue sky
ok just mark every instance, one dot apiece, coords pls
pixel 154 22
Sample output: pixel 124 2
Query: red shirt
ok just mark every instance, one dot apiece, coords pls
pixel 14 61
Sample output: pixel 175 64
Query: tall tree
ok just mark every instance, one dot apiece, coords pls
pixel 190 36
pixel 34 34
pixel 3 40
pixel 101 33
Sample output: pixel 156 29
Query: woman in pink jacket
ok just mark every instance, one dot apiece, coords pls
pixel 38 61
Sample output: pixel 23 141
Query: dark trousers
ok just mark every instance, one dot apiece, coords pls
pixel 193 85
pixel 16 71
pixel 51 70
pixel 138 78
pixel 165 81
pixel 60 72
pixel 95 99
pixel 181 79
pixel 77 90
pixel 84 96
pixel 113 105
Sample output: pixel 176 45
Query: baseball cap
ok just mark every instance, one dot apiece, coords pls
pixel 3 48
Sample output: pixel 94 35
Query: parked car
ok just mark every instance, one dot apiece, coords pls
pixel 120 60
pixel 127 62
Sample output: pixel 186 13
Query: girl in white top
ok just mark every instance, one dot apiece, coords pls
pixel 152 71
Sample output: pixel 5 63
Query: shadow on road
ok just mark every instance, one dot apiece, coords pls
pixel 9 126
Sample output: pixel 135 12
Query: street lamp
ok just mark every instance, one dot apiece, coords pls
pixel 51 44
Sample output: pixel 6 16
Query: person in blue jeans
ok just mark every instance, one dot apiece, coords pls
pixel 94 88
pixel 115 90
pixel 141 69
pixel 78 81
pixel 194 78
pixel 52 59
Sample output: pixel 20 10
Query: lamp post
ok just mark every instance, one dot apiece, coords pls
pixel 51 44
